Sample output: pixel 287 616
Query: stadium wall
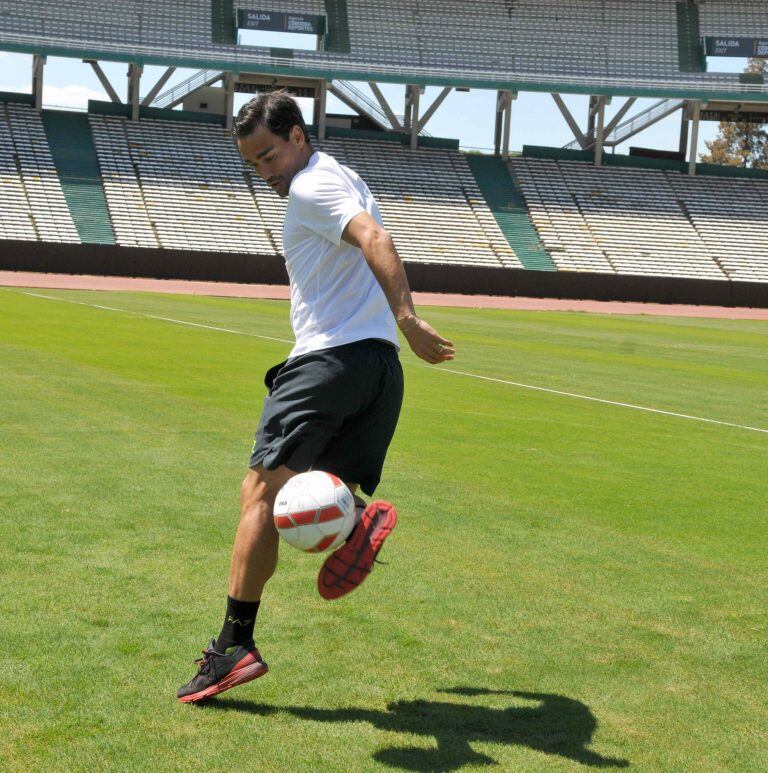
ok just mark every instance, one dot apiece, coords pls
pixel 112 260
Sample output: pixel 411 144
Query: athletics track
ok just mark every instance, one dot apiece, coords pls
pixel 281 292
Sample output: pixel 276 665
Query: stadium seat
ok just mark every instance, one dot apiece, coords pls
pixel 163 179
pixel 647 222
pixel 33 204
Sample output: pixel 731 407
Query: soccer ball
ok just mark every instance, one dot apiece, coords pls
pixel 314 511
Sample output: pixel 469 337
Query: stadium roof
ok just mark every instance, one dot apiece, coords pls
pixel 627 47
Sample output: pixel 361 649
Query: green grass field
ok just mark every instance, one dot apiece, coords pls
pixel 572 584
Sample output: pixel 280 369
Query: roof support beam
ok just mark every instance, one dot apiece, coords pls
pixel 507 126
pixel 683 146
pixel 155 90
pixel 612 124
pixel 622 111
pixel 591 113
pixel 570 120
pixel 431 109
pixel 413 114
pixel 497 129
pixel 134 83
pixel 354 98
pixel 38 65
pixel 694 137
pixel 104 80
pixel 229 100
pixel 320 109
pixel 507 98
pixel 381 99
pixel 600 131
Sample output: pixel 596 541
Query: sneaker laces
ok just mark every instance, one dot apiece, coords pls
pixel 204 663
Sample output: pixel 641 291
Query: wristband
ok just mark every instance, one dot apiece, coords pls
pixel 410 327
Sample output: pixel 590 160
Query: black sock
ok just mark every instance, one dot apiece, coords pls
pixel 238 623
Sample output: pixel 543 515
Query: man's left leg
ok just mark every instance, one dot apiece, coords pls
pixel 232 658
pixel 254 554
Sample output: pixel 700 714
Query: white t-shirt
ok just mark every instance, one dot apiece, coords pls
pixel 335 298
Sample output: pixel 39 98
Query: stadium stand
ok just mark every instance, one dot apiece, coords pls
pixel 429 200
pixel 557 217
pixel 176 181
pixel 647 222
pixel 726 17
pixel 606 43
pixel 164 179
pixel 635 219
pixel 182 185
pixel 189 182
pixel 127 208
pixel 34 207
pixel 731 218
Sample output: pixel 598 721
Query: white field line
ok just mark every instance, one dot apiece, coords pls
pixel 441 369
pixel 603 401
pixel 154 316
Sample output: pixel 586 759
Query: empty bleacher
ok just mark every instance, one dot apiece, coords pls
pixel 731 218
pixel 429 201
pixel 179 184
pixel 647 222
pixel 746 18
pixel 33 204
pixel 183 185
pixel 631 43
pixel 557 217
pixel 17 221
pixel 127 209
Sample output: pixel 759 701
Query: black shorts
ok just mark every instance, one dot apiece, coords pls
pixel 334 410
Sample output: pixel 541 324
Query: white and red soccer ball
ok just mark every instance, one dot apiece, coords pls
pixel 314 511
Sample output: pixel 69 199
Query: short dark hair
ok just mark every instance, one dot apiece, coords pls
pixel 277 110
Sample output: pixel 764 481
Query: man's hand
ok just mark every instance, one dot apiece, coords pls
pixel 425 341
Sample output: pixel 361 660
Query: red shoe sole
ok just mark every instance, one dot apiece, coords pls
pixel 239 675
pixel 348 566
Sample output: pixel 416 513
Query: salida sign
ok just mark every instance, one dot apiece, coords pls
pixel 276 21
pixel 740 47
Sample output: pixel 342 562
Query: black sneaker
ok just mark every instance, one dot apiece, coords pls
pixel 218 671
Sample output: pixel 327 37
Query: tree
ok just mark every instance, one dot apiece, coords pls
pixel 741 144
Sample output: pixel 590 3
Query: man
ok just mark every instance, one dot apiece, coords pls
pixel 333 405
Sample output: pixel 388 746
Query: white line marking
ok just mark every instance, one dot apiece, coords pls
pixel 164 319
pixel 442 369
pixel 601 400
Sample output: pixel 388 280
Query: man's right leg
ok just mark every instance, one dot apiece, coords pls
pixel 232 658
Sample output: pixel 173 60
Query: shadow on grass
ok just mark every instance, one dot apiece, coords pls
pixel 556 725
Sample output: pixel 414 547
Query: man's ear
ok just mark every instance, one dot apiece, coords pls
pixel 297 136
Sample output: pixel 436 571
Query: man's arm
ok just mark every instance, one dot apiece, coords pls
pixel 379 250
